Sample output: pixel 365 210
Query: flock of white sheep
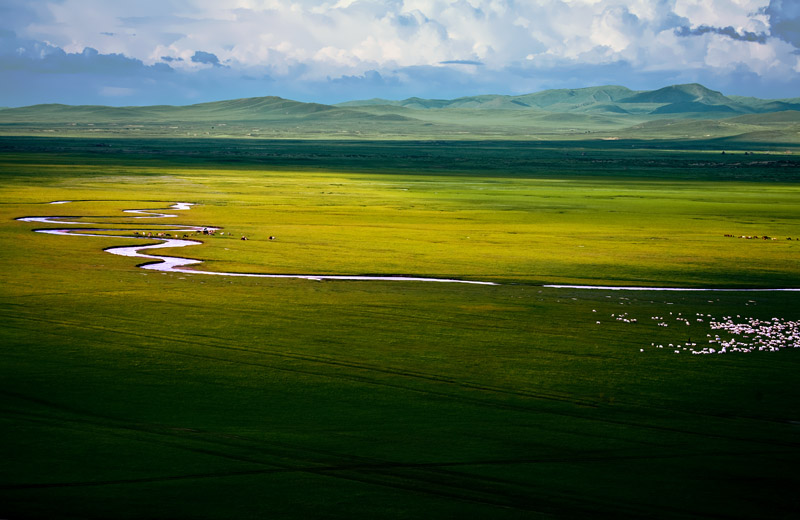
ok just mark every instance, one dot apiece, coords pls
pixel 729 334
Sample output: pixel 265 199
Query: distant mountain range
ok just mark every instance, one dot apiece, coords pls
pixel 677 99
pixel 608 111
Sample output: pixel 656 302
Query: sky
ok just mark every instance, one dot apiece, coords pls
pixel 147 52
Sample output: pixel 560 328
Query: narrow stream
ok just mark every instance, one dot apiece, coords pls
pixel 176 264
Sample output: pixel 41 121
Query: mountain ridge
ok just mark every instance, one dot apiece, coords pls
pixel 674 99
pixel 602 112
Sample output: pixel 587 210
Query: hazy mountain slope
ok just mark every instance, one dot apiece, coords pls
pixel 779 127
pixel 692 92
pixel 575 98
pixel 563 100
pixel 609 108
pixel 691 100
pixel 680 111
pixel 767 105
pixel 690 107
pixel 786 117
pixel 236 109
pixel 253 108
pixel 62 113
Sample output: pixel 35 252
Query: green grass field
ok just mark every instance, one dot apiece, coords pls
pixel 136 394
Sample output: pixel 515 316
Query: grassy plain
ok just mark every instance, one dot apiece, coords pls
pixel 133 394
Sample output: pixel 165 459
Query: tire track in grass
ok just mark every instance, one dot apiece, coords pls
pixel 464 487
pixel 210 342
pixel 423 484
pixel 435 393
pixel 213 342
pixel 426 477
pixel 538 426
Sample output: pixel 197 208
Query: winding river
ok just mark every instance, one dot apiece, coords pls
pixel 175 264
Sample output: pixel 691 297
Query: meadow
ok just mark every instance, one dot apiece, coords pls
pixel 136 394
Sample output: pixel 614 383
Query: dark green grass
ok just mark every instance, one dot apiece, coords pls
pixel 657 159
pixel 133 394
pixel 384 400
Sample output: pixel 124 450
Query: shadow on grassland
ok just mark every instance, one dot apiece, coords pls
pixel 713 159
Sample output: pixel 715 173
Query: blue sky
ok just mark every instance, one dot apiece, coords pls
pixel 189 51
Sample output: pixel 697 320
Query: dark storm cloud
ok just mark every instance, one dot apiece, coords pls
pixel 207 58
pixel 37 56
pixel 784 18
pixel 34 71
pixel 47 59
pixel 730 32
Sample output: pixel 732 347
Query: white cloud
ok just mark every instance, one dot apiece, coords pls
pixel 740 14
pixel 337 38
pixel 395 33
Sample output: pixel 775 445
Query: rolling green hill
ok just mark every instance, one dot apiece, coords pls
pixel 562 100
pixel 679 94
pixel 676 99
pixel 594 112
pixel 237 110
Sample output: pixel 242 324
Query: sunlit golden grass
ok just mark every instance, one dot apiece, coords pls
pixel 606 231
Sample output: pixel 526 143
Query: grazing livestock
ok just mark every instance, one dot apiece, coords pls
pixel 745 335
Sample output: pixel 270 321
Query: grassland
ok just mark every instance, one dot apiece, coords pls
pixel 133 394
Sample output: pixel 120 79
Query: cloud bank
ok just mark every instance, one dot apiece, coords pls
pixel 182 51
